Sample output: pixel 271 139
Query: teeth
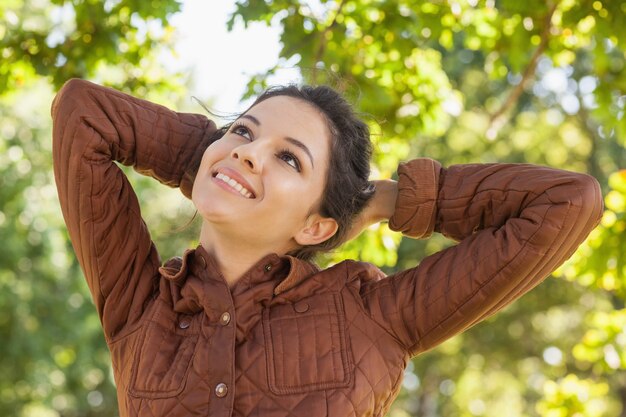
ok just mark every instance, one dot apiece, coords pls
pixel 242 190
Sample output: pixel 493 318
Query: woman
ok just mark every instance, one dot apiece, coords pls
pixel 244 324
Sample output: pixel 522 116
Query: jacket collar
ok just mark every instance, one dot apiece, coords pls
pixel 194 283
pixel 286 272
pixel 299 271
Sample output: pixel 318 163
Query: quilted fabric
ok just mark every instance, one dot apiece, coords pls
pixel 288 339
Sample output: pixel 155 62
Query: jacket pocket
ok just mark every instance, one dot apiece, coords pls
pixel 164 354
pixel 306 345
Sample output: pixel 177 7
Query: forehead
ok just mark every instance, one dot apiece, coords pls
pixel 292 117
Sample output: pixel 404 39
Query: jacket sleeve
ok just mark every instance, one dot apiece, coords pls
pixel 94 126
pixel 516 223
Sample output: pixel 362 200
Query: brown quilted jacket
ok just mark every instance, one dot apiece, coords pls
pixel 288 339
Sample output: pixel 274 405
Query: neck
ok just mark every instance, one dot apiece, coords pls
pixel 234 254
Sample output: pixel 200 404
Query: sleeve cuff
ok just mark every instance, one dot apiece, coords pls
pixel 416 205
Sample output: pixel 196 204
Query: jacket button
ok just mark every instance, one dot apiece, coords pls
pixel 268 267
pixel 301 307
pixel 221 390
pixel 184 323
pixel 225 319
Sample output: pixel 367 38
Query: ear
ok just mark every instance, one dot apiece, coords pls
pixel 316 230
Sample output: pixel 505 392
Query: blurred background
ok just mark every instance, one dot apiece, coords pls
pixel 540 81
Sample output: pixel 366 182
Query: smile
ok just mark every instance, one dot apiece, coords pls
pixel 234 185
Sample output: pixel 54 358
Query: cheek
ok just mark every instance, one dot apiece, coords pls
pixel 209 153
pixel 203 175
pixel 214 153
pixel 305 197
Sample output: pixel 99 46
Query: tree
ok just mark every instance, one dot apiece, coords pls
pixel 456 80
pixel 54 361
pixel 482 81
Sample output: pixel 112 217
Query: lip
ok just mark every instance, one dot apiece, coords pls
pixel 237 177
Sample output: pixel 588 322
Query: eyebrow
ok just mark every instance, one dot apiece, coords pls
pixel 252 118
pixel 291 140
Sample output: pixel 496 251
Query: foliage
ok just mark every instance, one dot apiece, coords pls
pixel 53 357
pixel 62 39
pixel 456 80
pixel 484 80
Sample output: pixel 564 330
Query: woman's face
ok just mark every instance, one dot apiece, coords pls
pixel 264 178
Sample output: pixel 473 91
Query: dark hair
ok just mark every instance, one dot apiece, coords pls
pixel 347 188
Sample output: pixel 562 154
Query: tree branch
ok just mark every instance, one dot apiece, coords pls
pixel 530 69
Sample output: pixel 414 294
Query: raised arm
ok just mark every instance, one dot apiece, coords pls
pixel 94 126
pixel 516 223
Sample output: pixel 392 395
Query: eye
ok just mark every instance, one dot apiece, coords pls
pixel 242 130
pixel 290 159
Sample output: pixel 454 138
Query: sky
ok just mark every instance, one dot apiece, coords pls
pixel 222 61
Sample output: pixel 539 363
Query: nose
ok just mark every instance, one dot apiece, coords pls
pixel 247 155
